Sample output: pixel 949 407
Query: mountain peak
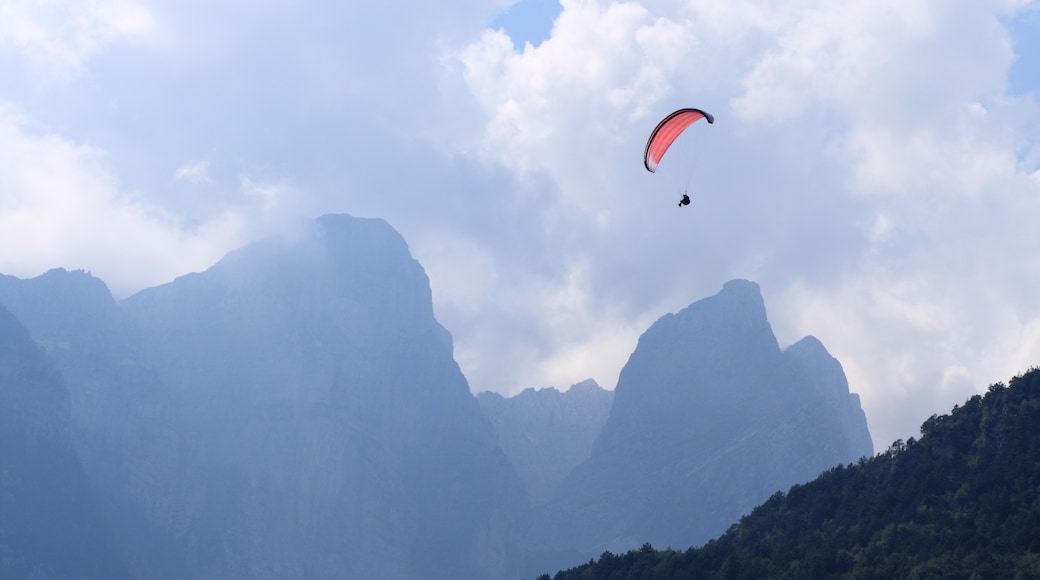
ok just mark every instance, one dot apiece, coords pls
pixel 738 299
pixel 313 363
pixel 352 237
pixel 743 286
pixel 329 243
pixel 61 285
pixel 337 277
pixel 587 386
pixel 698 348
pixel 710 417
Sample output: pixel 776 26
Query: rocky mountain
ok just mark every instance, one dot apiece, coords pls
pixel 337 436
pixel 710 418
pixel 295 411
pixel 120 412
pixel 545 433
pixel 50 526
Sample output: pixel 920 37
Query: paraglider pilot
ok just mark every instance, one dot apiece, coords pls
pixel 685 200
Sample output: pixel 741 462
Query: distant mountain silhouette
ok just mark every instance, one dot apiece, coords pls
pixel 709 419
pixel 546 433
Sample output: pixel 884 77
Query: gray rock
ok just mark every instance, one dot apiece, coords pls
pixel 50 526
pixel 295 411
pixel 339 436
pixel 710 418
pixel 121 419
pixel 546 433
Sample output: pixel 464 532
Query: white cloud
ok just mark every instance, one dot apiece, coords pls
pixel 267 192
pixel 938 307
pixel 553 107
pixel 873 176
pixel 830 52
pixel 197 172
pixel 60 35
pixel 463 266
pixel 61 207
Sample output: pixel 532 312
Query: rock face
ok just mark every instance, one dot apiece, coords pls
pixel 337 436
pixel 709 419
pixel 546 433
pixel 121 414
pixel 293 412
pixel 49 524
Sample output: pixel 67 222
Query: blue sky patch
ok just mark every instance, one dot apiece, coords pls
pixel 1024 76
pixel 528 21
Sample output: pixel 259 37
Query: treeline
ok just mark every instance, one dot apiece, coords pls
pixel 963 501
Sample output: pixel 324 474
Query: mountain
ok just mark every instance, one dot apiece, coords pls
pixel 120 412
pixel 963 501
pixel 50 526
pixel 546 433
pixel 710 418
pixel 294 411
pixel 331 433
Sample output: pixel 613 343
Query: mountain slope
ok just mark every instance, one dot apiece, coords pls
pixel 709 419
pixel 963 501
pixel 49 524
pixel 336 434
pixel 120 412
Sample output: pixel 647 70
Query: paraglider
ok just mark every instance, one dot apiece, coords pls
pixel 665 134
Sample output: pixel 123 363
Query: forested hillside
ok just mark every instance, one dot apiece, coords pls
pixel 963 501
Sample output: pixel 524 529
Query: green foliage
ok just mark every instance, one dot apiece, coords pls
pixel 963 501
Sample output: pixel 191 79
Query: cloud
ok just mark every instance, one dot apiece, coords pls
pixel 550 108
pixel 869 165
pixel 60 36
pixel 268 193
pixel 196 172
pixel 61 207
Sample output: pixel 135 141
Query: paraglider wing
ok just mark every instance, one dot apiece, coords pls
pixel 666 132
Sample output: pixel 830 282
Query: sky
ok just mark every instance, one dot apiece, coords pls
pixel 874 166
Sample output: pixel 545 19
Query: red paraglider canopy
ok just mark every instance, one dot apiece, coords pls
pixel 667 131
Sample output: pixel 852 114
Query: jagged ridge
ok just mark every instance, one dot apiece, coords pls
pixel 545 433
